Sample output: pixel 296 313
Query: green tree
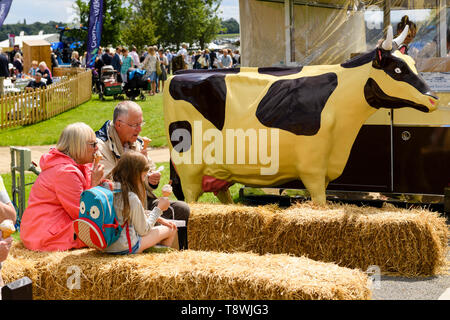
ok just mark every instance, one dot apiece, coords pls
pixel 29 29
pixel 139 32
pixel 230 26
pixel 139 29
pixel 178 21
pixel 209 23
pixel 114 16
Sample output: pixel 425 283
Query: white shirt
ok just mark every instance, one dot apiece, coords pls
pixel 135 58
pixel 184 52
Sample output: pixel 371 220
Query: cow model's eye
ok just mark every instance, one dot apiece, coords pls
pixel 94 212
pixel 397 70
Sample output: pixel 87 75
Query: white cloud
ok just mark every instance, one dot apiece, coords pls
pixel 230 9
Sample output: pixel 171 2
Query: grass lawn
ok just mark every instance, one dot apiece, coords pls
pixel 94 113
pixel 227 35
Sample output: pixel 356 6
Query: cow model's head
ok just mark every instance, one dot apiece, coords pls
pixel 394 81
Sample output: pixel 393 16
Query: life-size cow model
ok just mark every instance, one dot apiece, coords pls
pixel 268 126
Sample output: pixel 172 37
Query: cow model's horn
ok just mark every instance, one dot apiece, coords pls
pixel 387 44
pixel 399 40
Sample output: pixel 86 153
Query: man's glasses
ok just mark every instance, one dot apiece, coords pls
pixel 134 126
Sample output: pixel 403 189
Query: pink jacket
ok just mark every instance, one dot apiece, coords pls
pixel 54 203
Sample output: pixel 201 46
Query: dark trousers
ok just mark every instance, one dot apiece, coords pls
pixel 181 211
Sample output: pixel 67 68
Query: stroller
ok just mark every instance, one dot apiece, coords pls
pixel 108 84
pixel 136 84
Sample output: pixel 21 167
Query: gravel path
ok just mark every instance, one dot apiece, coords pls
pixel 157 155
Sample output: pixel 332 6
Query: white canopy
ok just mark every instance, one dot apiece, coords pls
pixel 51 37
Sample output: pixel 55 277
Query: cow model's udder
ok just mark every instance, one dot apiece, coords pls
pixel 211 184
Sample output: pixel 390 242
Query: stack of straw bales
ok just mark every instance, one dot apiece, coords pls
pixel 182 275
pixel 408 242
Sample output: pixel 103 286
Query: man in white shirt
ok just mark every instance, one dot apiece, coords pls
pixel 184 53
pixel 133 54
pixel 226 61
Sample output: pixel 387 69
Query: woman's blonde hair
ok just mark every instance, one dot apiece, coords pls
pixel 75 55
pixel 128 172
pixel 73 140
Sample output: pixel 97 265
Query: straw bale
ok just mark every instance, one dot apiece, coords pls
pixel 410 242
pixel 183 275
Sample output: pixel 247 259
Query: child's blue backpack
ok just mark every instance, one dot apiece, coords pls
pixel 97 225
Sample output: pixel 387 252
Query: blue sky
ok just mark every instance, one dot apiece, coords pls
pixel 61 10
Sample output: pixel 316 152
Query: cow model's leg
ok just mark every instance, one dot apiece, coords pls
pixel 316 186
pixel 191 181
pixel 192 191
pixel 225 196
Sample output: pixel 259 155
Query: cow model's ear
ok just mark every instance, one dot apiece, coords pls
pixel 378 58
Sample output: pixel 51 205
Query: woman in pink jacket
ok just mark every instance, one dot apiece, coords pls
pixel 55 196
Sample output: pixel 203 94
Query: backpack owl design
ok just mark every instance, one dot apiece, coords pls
pixel 97 225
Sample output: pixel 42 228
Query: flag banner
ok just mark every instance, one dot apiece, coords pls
pixel 4 10
pixel 95 31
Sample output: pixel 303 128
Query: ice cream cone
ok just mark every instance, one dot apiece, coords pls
pixel 7 228
pixel 166 190
pixel 146 142
pixel 97 158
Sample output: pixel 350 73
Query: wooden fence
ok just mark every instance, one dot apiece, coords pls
pixel 28 107
pixel 64 71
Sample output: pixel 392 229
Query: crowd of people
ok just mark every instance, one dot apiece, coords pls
pixel 12 67
pixel 157 63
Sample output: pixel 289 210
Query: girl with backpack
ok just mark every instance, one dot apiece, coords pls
pixel 130 202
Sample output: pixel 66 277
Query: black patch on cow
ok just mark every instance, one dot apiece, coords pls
pixel 376 98
pixel 206 91
pixel 360 60
pixel 221 71
pixel 296 105
pixel 279 71
pixel 181 140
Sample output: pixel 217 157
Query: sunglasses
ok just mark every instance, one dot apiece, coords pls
pixel 134 126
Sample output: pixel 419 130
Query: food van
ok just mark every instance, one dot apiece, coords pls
pixel 400 155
